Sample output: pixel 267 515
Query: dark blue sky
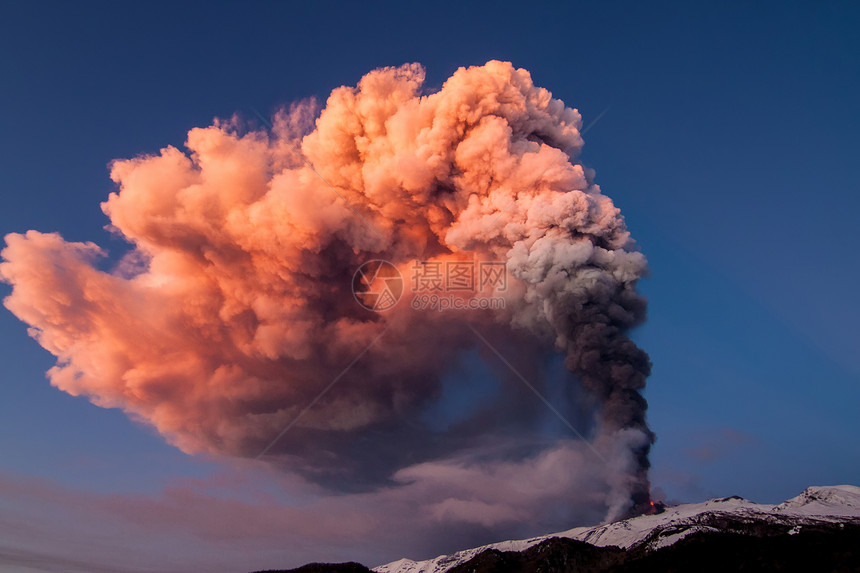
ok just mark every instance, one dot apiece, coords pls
pixel 729 141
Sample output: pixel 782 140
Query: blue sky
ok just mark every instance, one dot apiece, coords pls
pixel 729 140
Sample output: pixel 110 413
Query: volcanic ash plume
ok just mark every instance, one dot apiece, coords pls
pixel 233 309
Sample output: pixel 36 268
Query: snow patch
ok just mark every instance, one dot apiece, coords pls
pixel 828 503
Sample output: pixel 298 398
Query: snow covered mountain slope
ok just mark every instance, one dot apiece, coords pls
pixel 816 506
pixel 842 500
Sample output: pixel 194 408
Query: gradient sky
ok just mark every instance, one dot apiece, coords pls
pixel 727 134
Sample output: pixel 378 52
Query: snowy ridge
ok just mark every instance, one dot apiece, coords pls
pixel 816 504
pixel 843 500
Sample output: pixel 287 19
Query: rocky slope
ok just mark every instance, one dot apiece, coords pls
pixel 817 509
pixel 819 530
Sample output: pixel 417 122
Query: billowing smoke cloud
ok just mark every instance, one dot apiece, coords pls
pixel 233 311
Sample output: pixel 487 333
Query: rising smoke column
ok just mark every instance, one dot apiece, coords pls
pixel 233 308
